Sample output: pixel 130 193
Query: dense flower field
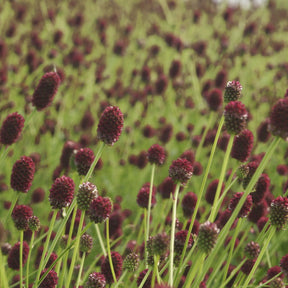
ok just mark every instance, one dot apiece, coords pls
pixel 143 144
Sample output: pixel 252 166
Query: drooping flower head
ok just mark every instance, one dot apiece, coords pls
pixel 279 119
pixel 46 90
pixel 22 174
pixel 235 116
pixel 21 215
pixel 156 155
pixel 100 209
pixel 61 192
pixel 181 170
pixel 11 128
pixel 110 125
pixel 232 91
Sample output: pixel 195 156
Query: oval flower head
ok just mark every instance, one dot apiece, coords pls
pixel 110 125
pixel 181 170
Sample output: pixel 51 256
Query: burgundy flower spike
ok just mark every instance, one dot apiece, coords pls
pixel 22 174
pixel 46 90
pixel 11 128
pixel 181 170
pixel 110 125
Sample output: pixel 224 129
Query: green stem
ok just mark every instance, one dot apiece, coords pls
pixel 204 180
pixel 41 266
pixel 145 235
pixel 3 279
pixel 221 179
pixel 21 256
pixel 14 201
pixel 145 278
pixel 92 167
pixel 232 244
pixel 80 270
pixel 63 272
pixel 156 260
pixel 29 257
pixel 109 251
pixel 171 266
pixel 76 248
pixel 203 136
pixel 270 234
pixel 225 230
pixel 100 240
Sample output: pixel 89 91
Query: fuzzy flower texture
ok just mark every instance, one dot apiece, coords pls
pixel 181 170
pixel 110 125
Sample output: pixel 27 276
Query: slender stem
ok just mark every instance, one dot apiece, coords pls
pixel 204 180
pixel 225 230
pixel 109 251
pixel 269 234
pixel 3 279
pixel 14 201
pixel 21 256
pixel 149 202
pixel 171 278
pixel 121 278
pixel 76 248
pixel 100 240
pixel 232 244
pixel 45 247
pixel 92 167
pixel 145 235
pixel 145 278
pixel 3 153
pixel 221 179
pixel 200 146
pixel 63 273
pixel 156 260
pixel 29 257
pixel 80 270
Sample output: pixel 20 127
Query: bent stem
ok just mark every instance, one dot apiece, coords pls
pixel 171 278
pixel 109 251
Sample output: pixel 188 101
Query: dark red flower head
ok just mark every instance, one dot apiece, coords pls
pixel 100 209
pixel 110 125
pixel 117 265
pixel 46 90
pixel 14 255
pixel 261 188
pixel 61 192
pixel 156 155
pixel 22 174
pixel 211 191
pixel 67 151
pixel 279 212
pixel 235 116
pixel 11 128
pixel 188 204
pixel 214 99
pixel 252 250
pixel 83 159
pixel 273 271
pixel 242 146
pixel 180 238
pixel 175 69
pixel 284 264
pixel 96 280
pixel 50 281
pixel 131 262
pixel 279 119
pixel 21 215
pixel 232 91
pixel 166 188
pixel 263 133
pixel 189 155
pixel 143 196
pixel 246 208
pixel 147 283
pixel 181 170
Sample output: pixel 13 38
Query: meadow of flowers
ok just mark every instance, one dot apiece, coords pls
pixel 143 144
